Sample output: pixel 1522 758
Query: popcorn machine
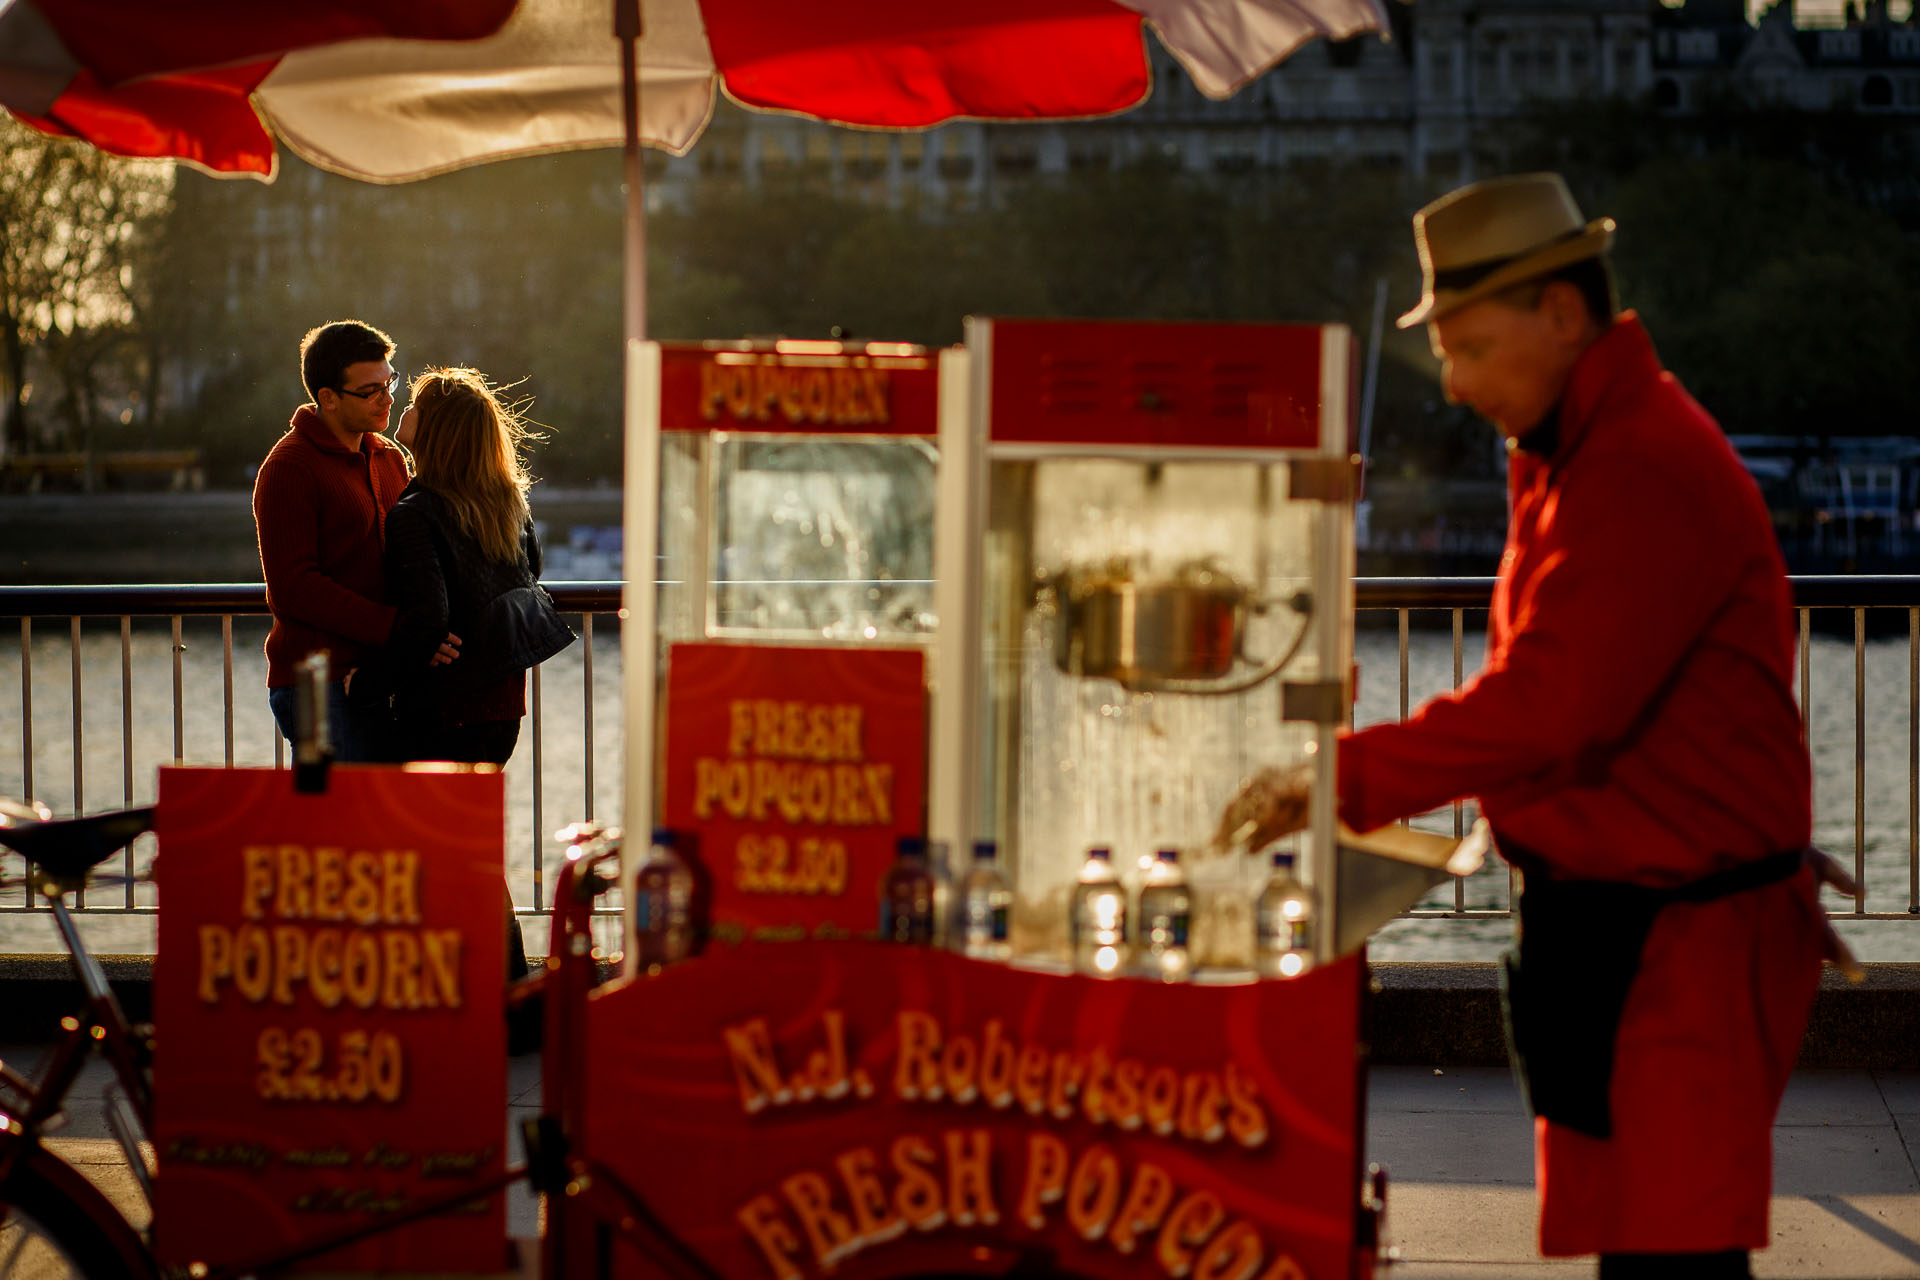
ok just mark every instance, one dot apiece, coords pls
pixel 1145 592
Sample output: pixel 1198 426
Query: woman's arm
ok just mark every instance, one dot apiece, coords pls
pixel 417 584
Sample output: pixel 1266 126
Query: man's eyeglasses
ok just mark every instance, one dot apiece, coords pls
pixel 367 393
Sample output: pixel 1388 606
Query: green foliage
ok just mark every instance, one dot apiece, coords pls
pixel 1779 296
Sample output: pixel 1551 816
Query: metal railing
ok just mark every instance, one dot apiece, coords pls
pixel 1407 598
pixel 1854 595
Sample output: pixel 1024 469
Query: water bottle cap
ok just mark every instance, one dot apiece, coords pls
pixel 1283 859
pixel 911 846
pixel 1168 855
pixel 985 850
pixel 665 836
pixel 1100 852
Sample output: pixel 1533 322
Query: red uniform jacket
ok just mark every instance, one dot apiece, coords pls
pixel 1635 722
pixel 321 510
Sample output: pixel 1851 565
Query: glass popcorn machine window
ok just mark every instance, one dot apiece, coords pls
pixel 798 487
pixel 1161 555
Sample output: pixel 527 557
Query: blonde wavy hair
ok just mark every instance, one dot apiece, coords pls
pixel 466 448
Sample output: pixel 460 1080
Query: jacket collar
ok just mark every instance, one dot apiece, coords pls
pixel 1620 361
pixel 307 421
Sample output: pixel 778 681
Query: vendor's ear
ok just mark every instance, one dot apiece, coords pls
pixel 1565 309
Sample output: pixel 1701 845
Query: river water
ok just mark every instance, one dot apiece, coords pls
pixel 579 779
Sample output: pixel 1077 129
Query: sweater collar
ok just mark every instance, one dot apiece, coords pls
pixel 307 421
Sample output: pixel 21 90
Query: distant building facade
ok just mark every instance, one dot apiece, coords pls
pixel 1434 101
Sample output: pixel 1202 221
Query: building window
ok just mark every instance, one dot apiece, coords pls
pixel 1666 94
pixel 1876 92
pixel 1840 46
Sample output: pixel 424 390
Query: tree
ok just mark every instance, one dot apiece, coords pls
pixel 67 267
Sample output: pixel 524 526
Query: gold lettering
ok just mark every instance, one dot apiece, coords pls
pixel 1046 1178
pixel 970 1178
pixel 440 975
pixel 1191 1222
pixel 750 1047
pixel 216 960
pixel 917 1196
pixel 828 1232
pixel 253 963
pixel 1094 1191
pixel 760 1217
pixel 916 1072
pixel 289 960
pixel 874 1218
pixel 1145 1206
pixel 256 883
pixel 293 901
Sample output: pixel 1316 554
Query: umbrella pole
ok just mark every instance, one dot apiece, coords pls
pixel 641 482
pixel 627 26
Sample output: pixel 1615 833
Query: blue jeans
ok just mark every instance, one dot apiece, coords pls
pixel 354 739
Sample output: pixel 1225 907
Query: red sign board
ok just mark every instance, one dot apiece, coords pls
pixel 810 388
pixel 863 1109
pixel 328 998
pixel 798 769
pixel 1097 382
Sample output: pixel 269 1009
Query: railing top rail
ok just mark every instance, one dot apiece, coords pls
pixel 1810 591
pixel 205 598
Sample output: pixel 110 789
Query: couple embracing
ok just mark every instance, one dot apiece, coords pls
pixel 411 562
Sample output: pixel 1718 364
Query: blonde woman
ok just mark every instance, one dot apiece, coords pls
pixel 461 559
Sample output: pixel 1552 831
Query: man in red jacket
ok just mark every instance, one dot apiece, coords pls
pixel 1633 741
pixel 320 505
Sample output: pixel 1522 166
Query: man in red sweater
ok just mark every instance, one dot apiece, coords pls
pixel 1632 739
pixel 320 505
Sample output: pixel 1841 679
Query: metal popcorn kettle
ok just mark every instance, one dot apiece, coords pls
pixel 1182 632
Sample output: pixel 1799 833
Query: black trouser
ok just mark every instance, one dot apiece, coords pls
pixel 1731 1265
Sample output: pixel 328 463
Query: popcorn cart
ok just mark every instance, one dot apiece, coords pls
pixel 1131 586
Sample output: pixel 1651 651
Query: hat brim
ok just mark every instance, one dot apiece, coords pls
pixel 1436 304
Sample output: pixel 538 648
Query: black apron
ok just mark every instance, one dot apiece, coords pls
pixel 1565 983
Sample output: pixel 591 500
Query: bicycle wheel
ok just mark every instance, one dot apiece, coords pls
pixel 54 1224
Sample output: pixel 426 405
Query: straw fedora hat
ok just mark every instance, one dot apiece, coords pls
pixel 1491 235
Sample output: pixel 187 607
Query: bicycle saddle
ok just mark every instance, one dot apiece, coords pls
pixel 69 847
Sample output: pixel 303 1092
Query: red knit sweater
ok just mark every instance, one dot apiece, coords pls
pixel 321 511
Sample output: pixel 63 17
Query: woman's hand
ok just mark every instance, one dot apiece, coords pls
pixel 449 650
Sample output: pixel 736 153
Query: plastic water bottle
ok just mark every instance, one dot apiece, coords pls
pixel 1099 919
pixel 1166 915
pixel 906 894
pixel 663 905
pixel 1283 924
pixel 985 902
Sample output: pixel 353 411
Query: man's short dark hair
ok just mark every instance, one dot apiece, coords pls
pixel 1591 277
pixel 326 352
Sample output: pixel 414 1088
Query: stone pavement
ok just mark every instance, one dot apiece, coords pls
pixel 1458 1146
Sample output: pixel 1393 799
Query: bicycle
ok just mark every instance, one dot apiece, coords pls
pixel 54 1222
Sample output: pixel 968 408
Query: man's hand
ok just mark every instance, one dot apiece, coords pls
pixel 449 650
pixel 1826 871
pixel 1272 804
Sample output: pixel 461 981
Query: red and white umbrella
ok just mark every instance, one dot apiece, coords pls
pixel 389 91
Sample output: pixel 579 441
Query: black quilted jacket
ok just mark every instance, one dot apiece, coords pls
pixel 443 582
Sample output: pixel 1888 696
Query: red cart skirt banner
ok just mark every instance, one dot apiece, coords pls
pixel 328 1007
pixel 861 1109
